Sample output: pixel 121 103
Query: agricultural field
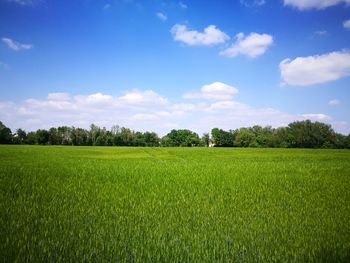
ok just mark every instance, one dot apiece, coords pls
pixel 114 204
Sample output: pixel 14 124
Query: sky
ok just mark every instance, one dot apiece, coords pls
pixel 158 65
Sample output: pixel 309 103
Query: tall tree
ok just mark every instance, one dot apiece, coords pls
pixel 307 134
pixel 184 138
pixel 54 137
pixel 244 138
pixel 20 136
pixel 42 136
pixel 205 140
pixel 31 138
pixel 5 134
pixel 151 139
pixel 222 138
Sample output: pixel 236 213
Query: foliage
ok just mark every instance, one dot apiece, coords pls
pixel 222 138
pixel 299 134
pixel 183 138
pixel 5 134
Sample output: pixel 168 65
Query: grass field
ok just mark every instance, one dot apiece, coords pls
pixel 97 204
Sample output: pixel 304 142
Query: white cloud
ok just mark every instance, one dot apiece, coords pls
pixel 144 117
pixel 148 110
pixel 314 4
pixel 346 24
pixel 213 91
pixel 252 45
pixel 184 107
pixel 304 71
pixel 182 5
pixel 16 45
pixel 210 36
pixel 334 102
pixel 161 16
pixel 253 3
pixel 135 97
pixel 58 96
pixel 317 117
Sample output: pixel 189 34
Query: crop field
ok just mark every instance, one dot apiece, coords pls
pixel 110 204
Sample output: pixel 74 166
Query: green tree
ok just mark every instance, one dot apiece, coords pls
pixel 42 136
pixel 245 138
pixel 222 138
pixel 139 139
pixel 20 136
pixel 65 135
pixel 183 138
pixel 151 139
pixel 31 138
pixel 280 138
pixel 79 136
pixel 126 136
pixel 307 134
pixel 54 137
pixel 205 140
pixel 5 134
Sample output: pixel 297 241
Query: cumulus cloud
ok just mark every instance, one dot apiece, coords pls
pixel 147 97
pixel 16 45
pixel 314 4
pixel 210 36
pixel 304 71
pixel 334 102
pixel 346 24
pixel 148 110
pixel 252 45
pixel 213 91
pixel 161 16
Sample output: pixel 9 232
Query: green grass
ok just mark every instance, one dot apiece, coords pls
pixel 70 204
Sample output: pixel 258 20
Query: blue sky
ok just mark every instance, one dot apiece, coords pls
pixel 157 65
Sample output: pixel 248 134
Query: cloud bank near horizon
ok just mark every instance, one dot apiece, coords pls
pixel 212 105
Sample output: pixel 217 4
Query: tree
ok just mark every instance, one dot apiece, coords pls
pixel 5 134
pixel 280 138
pixel 31 138
pixel 42 136
pixel 263 136
pixel 54 137
pixel 222 138
pixel 126 136
pixel 139 139
pixel 65 135
pixel 151 139
pixel 307 134
pixel 93 134
pixel 20 136
pixel 79 136
pixel 245 138
pixel 205 140
pixel 347 142
pixel 183 138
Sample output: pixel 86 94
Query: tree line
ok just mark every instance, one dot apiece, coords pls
pixel 298 134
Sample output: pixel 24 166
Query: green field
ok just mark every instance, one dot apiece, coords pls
pixel 108 204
